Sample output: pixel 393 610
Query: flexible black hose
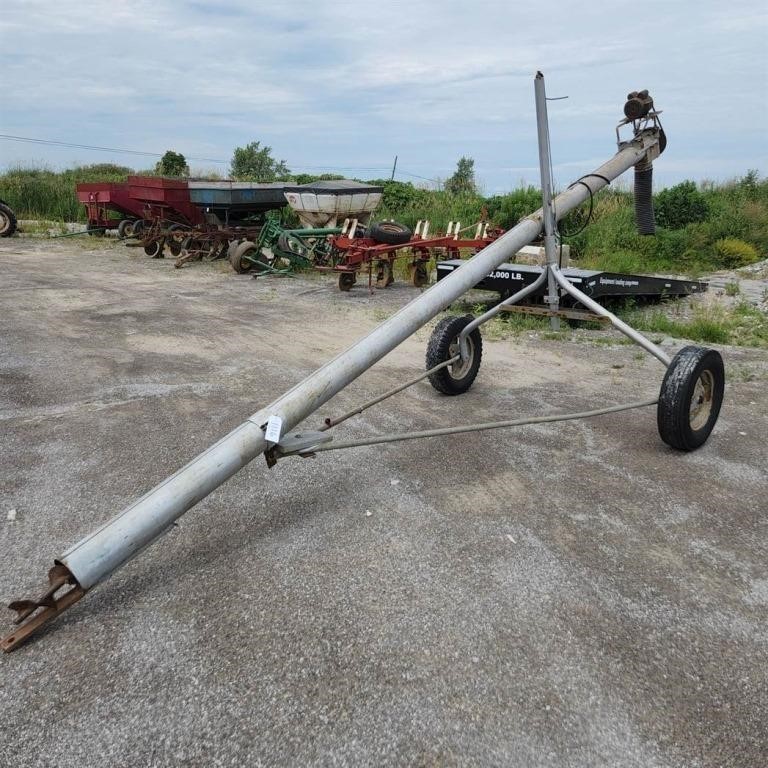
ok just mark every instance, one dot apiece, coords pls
pixel 644 218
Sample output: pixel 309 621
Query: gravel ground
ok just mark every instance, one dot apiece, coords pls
pixel 571 594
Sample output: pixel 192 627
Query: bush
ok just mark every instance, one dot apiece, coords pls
pixel 507 210
pixel 680 205
pixel 734 253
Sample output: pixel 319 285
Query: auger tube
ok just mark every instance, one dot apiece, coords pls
pixel 103 551
pixel 100 553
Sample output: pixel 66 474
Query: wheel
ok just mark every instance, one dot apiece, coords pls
pixel 154 248
pixel 176 237
pixel 174 244
pixel 384 274
pixel 418 274
pixel 231 248
pixel 389 232
pixel 138 227
pixel 125 229
pixel 347 280
pixel 191 249
pixel 7 220
pixel 443 345
pixel 292 245
pixel 690 398
pixel 238 258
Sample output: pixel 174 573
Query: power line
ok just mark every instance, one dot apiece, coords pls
pixel 91 147
pixel 49 142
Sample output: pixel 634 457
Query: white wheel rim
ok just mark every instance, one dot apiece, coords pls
pixel 460 368
pixel 5 222
pixel 701 400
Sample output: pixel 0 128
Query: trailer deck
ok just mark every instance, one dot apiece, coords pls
pixel 509 278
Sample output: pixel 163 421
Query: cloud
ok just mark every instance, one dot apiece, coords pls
pixel 352 84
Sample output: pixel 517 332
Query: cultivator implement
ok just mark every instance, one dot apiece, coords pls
pixel 687 405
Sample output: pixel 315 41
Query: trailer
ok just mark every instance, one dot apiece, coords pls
pixel 103 198
pixel 508 279
pixel 199 220
pixel 687 404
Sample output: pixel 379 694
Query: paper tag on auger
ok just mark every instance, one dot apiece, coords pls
pixel 274 429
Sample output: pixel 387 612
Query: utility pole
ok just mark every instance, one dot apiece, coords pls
pixel 394 166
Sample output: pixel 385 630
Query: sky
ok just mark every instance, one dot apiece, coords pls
pixel 345 86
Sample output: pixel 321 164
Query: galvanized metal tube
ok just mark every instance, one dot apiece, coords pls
pixel 620 325
pixel 550 220
pixel 100 553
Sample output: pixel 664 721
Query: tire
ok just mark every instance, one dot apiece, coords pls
pixel 690 398
pixel 347 280
pixel 8 221
pixel 154 248
pixel 292 245
pixel 239 264
pixel 138 227
pixel 231 248
pixel 389 233
pixel 174 246
pixel 384 274
pixel 125 229
pixel 418 274
pixel 443 345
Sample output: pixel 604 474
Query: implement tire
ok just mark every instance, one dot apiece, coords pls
pixel 7 220
pixel 125 229
pixel 690 398
pixel 389 233
pixel 237 260
pixel 457 378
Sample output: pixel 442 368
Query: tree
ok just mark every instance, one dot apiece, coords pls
pixel 463 180
pixel 252 163
pixel 172 164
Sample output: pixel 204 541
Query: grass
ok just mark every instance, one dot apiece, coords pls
pixel 741 325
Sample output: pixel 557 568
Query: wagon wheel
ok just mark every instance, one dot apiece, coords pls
pixel 347 280
pixel 384 275
pixel 125 229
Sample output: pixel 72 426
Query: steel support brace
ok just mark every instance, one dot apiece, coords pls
pixel 99 554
